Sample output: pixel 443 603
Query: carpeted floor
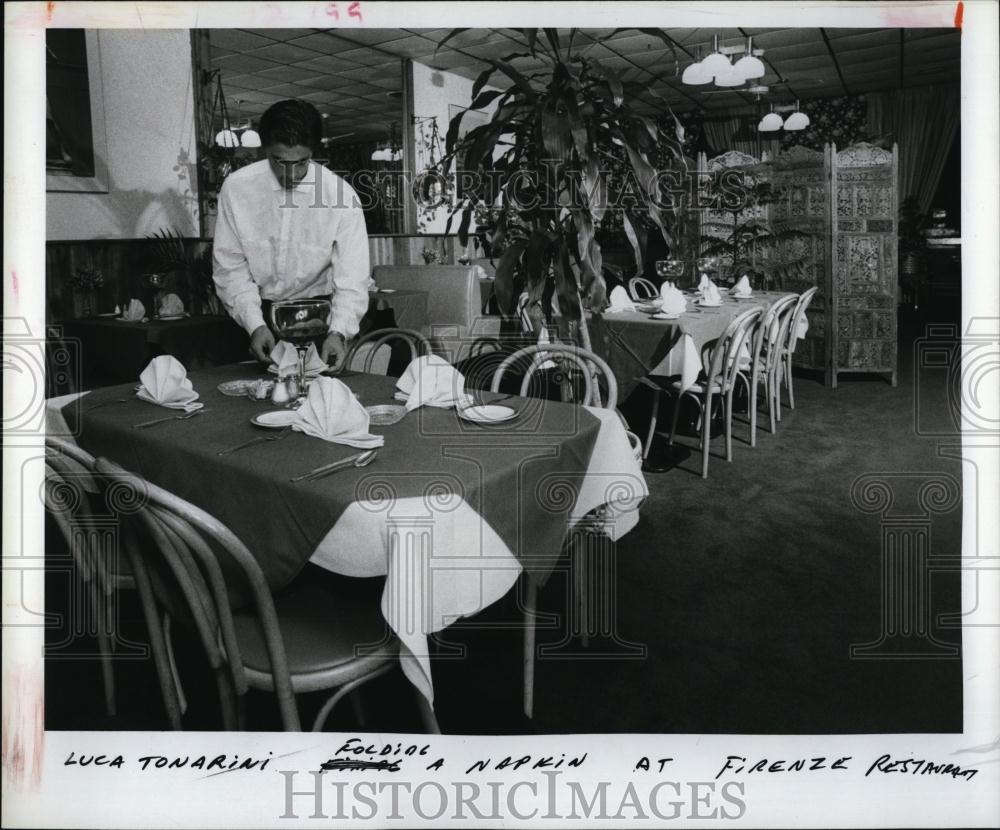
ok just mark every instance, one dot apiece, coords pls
pixel 746 592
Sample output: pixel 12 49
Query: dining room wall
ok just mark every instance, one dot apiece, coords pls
pixel 436 94
pixel 151 145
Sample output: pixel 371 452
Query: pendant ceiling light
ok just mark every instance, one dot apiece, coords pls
pixel 750 66
pixel 716 63
pixel 729 77
pixel 798 120
pixel 696 75
pixel 770 123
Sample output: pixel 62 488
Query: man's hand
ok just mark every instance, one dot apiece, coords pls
pixel 334 349
pixel 261 343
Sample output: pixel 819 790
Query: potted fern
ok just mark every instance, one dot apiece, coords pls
pixel 189 271
pixel 540 168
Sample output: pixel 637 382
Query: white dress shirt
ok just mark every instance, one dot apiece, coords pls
pixel 277 244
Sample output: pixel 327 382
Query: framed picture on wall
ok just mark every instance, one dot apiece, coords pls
pixel 76 151
pixel 471 120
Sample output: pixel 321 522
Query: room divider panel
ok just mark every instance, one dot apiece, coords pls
pixel 864 228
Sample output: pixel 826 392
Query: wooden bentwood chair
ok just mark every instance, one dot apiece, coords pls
pixel 300 640
pixel 718 380
pixel 364 350
pixel 789 345
pixel 639 288
pixel 765 361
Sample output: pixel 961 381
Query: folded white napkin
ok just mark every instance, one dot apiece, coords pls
pixel 134 311
pixel 431 381
pixel 672 301
pixel 285 360
pixel 170 306
pixel 331 412
pixel 620 300
pixel 704 282
pixel 711 295
pixel 165 382
pixel 743 287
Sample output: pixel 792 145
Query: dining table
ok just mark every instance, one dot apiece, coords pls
pixel 635 344
pixel 452 512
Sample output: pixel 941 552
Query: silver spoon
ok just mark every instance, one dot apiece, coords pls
pixel 184 417
pixel 360 460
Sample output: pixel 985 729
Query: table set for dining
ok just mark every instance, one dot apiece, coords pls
pixel 451 499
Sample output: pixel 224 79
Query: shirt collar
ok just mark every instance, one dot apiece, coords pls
pixel 313 172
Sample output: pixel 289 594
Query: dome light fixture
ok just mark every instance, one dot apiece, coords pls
pixel 798 120
pixel 770 123
pixel 750 66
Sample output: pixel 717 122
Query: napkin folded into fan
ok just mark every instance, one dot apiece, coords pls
pixel 620 300
pixel 165 382
pixel 672 301
pixel 432 381
pixel 331 412
pixel 134 311
pixel 170 306
pixel 743 287
pixel 285 360
pixel 703 283
pixel 711 295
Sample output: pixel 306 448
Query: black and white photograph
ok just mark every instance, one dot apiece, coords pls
pixel 424 413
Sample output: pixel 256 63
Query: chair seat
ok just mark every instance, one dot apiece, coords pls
pixel 698 387
pixel 325 634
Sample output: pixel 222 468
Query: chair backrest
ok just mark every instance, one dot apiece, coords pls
pixel 639 288
pixel 792 337
pixel 770 328
pixel 453 298
pixel 591 368
pixel 724 362
pixel 179 566
pixel 366 348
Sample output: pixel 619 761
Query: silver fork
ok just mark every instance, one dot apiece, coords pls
pixel 258 440
pixel 183 417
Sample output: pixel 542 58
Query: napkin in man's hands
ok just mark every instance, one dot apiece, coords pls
pixel 171 306
pixel 432 381
pixel 743 287
pixel 672 301
pixel 620 300
pixel 134 311
pixel 331 412
pixel 165 382
pixel 285 360
pixel 711 295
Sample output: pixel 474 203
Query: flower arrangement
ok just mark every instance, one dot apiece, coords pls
pixel 85 279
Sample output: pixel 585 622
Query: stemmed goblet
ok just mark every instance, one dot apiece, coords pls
pixel 301 322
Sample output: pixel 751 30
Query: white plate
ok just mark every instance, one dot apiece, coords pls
pixel 109 314
pixel 279 419
pixel 703 304
pixel 387 291
pixel 173 317
pixel 664 316
pixel 487 413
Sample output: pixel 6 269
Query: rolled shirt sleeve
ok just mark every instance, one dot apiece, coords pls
pixel 231 272
pixel 349 263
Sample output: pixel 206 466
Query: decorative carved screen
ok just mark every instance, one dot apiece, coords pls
pixel 799 258
pixel 863 289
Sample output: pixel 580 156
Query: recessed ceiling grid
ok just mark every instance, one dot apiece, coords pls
pixel 356 75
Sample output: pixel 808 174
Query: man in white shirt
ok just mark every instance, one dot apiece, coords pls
pixel 290 229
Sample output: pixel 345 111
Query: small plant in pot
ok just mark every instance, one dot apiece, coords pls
pixel 540 168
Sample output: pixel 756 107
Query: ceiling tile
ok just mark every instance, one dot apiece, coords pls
pixel 328 63
pixel 283 53
pixel 282 34
pixel 363 56
pixel 285 90
pixel 237 40
pixel 628 43
pixel 240 81
pixel 869 40
pixel 321 82
pixel 371 36
pixel 290 74
pixel 216 52
pixel 243 63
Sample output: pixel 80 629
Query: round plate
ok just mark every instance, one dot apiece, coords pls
pixel 385 415
pixel 172 317
pixel 742 296
pixel 703 304
pixel 279 419
pixel 109 314
pixel 664 316
pixel 386 290
pixel 487 413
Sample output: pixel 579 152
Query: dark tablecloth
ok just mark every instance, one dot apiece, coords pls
pixel 499 470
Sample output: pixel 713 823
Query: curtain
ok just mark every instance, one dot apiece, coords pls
pixel 739 132
pixel 923 122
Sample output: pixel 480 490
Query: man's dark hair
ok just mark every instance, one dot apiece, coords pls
pixel 291 122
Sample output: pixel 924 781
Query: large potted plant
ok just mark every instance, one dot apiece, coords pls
pixel 540 167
